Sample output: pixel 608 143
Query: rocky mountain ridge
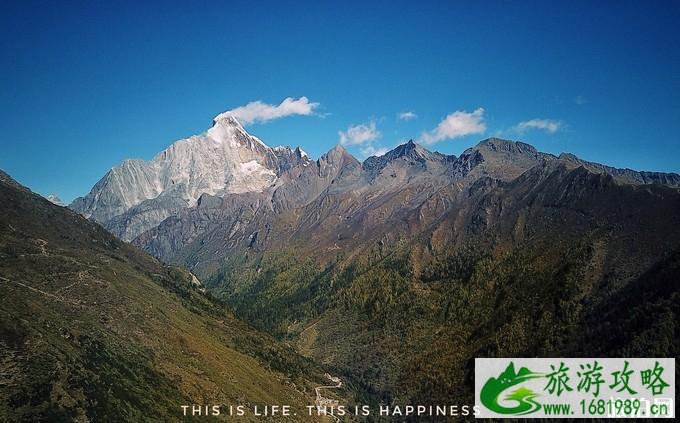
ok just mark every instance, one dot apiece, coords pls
pixel 227 187
pixel 137 195
pixel 399 194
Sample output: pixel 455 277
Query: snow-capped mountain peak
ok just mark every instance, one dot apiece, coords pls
pixel 226 127
pixel 227 119
pixel 224 159
pixel 301 152
pixel 54 199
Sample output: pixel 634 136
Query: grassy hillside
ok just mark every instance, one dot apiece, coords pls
pixel 92 329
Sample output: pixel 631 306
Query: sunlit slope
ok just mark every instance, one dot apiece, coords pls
pixel 93 329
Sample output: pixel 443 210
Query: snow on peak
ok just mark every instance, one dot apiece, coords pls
pixel 224 159
pixel 227 128
pixel 297 150
pixel 54 198
pixel 302 152
pixel 227 119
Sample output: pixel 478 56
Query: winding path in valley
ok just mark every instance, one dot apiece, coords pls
pixel 322 401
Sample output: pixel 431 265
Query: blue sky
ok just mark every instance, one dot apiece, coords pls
pixel 85 85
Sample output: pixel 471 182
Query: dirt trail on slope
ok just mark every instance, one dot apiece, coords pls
pixel 322 401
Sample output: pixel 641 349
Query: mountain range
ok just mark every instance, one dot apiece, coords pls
pixel 397 271
pixel 226 176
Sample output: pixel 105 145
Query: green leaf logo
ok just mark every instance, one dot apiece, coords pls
pixel 524 397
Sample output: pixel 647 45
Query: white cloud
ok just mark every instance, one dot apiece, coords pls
pixel 362 134
pixel 364 137
pixel 548 125
pixel 370 150
pixel 259 112
pixel 455 125
pixel 408 115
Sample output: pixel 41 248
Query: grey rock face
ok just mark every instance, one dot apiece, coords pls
pixel 626 176
pixel 338 204
pixel 54 199
pixel 137 195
